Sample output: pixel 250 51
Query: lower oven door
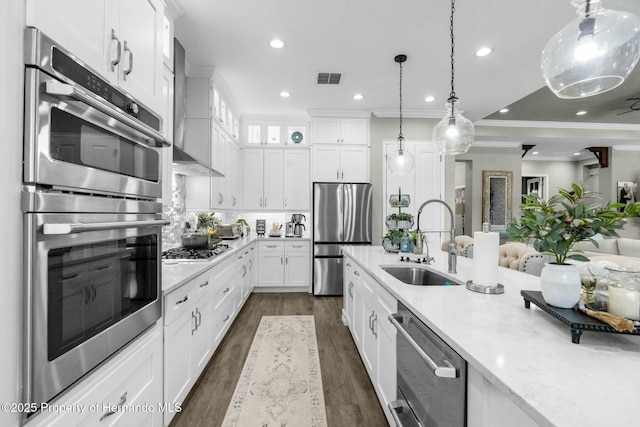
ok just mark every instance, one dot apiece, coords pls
pixel 93 285
pixel 431 375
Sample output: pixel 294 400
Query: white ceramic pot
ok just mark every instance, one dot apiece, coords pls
pixel 560 285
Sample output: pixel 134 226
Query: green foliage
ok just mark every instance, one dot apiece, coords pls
pixel 567 218
pixel 394 236
pixel 207 220
pixel 401 216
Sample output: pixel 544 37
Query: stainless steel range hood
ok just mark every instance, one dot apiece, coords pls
pixel 183 163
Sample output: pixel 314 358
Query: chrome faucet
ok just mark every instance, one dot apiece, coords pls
pixel 453 250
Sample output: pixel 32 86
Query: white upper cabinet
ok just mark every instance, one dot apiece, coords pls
pixel 334 163
pixel 121 40
pixel 265 133
pixel 263 179
pixel 297 180
pixel 333 130
pixel 288 132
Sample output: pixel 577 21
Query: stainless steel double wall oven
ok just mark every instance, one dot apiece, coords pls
pixel 92 222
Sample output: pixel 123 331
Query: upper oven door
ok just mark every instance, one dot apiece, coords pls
pixel 71 145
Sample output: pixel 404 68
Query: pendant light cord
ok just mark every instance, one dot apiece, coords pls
pixel 400 137
pixel 452 96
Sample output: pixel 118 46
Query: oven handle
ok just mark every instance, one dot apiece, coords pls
pixel 62 89
pixel 68 228
pixel 400 406
pixel 439 371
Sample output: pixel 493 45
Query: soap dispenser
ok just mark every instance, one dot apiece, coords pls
pixel 405 242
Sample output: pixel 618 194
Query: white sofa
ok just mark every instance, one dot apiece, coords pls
pixel 623 251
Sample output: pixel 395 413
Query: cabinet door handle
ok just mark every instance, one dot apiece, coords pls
pixel 265 202
pixel 234 201
pixel 270 246
pixel 123 400
pixel 350 289
pixel 286 260
pixel 225 318
pixel 356 273
pixel 128 70
pixel 250 264
pixel 195 323
pixel 348 264
pixel 343 174
pixel 244 270
pixel 374 328
pixel 260 201
pixel 370 321
pixel 118 50
pixel 87 295
pixel 186 297
pixel 204 284
pixel 199 318
pixel 337 173
pixel 93 293
pixel 281 260
pixel 285 202
pixel 225 290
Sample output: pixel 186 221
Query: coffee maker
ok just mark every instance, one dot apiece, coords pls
pixel 298 226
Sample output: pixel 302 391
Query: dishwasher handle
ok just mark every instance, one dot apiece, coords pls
pixel 440 371
pixel 401 406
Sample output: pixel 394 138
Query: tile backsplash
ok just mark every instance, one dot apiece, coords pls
pixel 178 214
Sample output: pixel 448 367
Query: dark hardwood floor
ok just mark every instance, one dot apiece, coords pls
pixel 348 393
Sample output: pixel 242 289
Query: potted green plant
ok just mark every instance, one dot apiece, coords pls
pixel 555 226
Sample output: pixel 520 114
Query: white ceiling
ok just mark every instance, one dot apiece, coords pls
pixel 360 38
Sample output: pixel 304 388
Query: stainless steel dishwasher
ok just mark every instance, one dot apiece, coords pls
pixel 432 377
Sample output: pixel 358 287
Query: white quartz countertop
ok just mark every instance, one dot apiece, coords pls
pixel 526 353
pixel 176 273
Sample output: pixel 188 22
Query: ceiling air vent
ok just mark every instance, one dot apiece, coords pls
pixel 329 78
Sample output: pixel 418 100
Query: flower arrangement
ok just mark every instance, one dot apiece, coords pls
pixel 567 218
pixel 207 221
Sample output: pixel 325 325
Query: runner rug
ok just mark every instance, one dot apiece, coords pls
pixel 280 384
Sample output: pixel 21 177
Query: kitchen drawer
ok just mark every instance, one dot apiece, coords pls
pixel 133 378
pixel 272 246
pixel 178 301
pixel 386 300
pixel 297 246
pixel 223 316
pixel 224 284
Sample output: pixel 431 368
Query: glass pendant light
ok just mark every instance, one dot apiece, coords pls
pixel 454 133
pixel 400 161
pixel 594 53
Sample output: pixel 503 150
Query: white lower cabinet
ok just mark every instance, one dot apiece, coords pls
pixel 132 379
pixel 284 263
pixel 197 315
pixel 488 406
pixel 246 272
pixel 368 305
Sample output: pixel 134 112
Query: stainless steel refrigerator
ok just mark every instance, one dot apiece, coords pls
pixel 341 216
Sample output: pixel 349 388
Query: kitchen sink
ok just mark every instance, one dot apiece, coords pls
pixel 419 276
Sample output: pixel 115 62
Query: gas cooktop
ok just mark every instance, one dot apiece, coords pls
pixel 189 255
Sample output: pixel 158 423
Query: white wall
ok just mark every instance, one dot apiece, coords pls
pixel 561 174
pixel 11 83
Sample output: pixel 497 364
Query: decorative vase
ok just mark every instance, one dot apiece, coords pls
pixel 560 285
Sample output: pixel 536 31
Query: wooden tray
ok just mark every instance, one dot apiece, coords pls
pixel 572 317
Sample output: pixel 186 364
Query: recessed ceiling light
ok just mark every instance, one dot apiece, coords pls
pixel 285 94
pixel 358 96
pixel 483 51
pixel 576 154
pixel 581 113
pixel 535 153
pixel 430 98
pixel 504 110
pixel 276 43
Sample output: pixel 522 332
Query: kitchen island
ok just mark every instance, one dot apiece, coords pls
pixel 523 354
